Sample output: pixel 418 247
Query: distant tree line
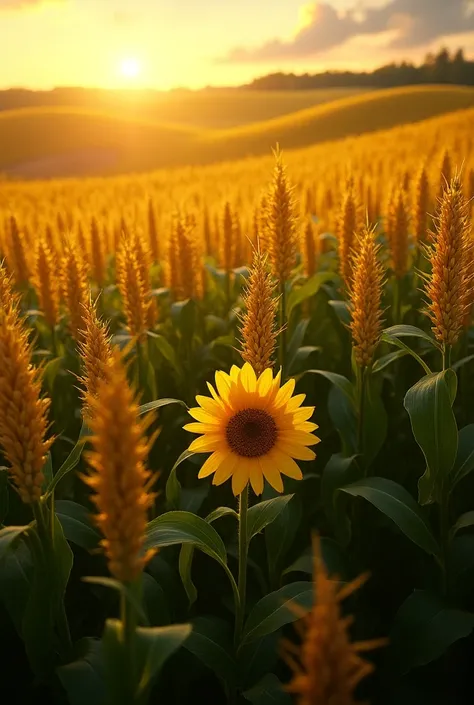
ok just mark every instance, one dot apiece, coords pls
pixel 442 67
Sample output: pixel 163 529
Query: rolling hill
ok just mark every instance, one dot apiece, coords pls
pixel 41 142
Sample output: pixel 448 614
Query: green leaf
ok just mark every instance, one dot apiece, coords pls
pixel 77 526
pixel 50 372
pixel 405 331
pixel 264 513
pixel 339 381
pixel 173 486
pixel 154 646
pixel 83 678
pixel 395 502
pixel 464 463
pixel 465 521
pixel 279 537
pixel 154 602
pixel 183 527
pixel 210 642
pixel 167 352
pixel 47 471
pixel 4 502
pixel 460 363
pixel 296 365
pixel 121 588
pixel 152 405
pixel 277 609
pixel 339 471
pixel 184 316
pixel 296 341
pixel 71 461
pixel 387 360
pixel 16 570
pixel 268 691
pixel 8 536
pixel 309 288
pixel 375 422
pixel 221 512
pixel 424 629
pixel 185 564
pixel 429 404
pixel 343 415
pixel 342 311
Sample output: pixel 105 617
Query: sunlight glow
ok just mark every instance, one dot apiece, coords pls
pixel 130 67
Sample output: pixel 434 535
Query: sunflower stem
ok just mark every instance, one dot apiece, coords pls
pixel 282 350
pixel 242 577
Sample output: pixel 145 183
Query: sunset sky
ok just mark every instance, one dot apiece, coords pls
pixel 168 43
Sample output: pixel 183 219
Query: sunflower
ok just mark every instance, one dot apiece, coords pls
pixel 253 428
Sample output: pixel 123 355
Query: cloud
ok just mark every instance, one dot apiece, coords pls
pixel 20 4
pixel 408 24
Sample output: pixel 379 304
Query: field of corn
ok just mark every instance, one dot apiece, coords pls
pixel 237 429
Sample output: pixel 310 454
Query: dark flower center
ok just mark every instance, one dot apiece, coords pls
pixel 251 433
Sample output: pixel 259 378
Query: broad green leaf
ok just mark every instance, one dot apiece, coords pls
pixel 154 646
pixel 167 351
pixel 405 331
pixel 309 288
pixel 424 629
pixel 279 537
pixel 221 512
pixel 429 404
pixel 8 536
pixel 268 691
pixel 154 602
pixel 264 513
pixel 71 461
pixel 338 381
pixel 121 588
pixel 16 570
pixel 183 527
pixel 47 471
pixel 3 494
pixel 342 311
pixel 375 422
pixel 339 471
pixel 464 463
pixel 186 555
pixel 387 360
pixel 394 501
pixel 302 355
pixel 50 372
pixel 277 609
pixel 173 486
pixel 77 525
pixel 210 641
pixel 398 342
pixel 296 341
pixel 152 405
pixel 344 418
pixel 184 316
pixel 465 521
pixel 83 678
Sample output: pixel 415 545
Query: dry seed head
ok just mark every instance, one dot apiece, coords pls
pixel 446 173
pixel 8 298
pixel 366 298
pixel 327 666
pixel 97 254
pixel 347 227
pixel 280 228
pixel 398 234
pixel 23 412
pixel 449 286
pixel 119 478
pixel 309 249
pixel 258 321
pixel 173 275
pixel 421 199
pixel 190 264
pixel 46 282
pixel 132 289
pixel 153 238
pixel 95 349
pixel 17 254
pixel 227 240
pixel 75 288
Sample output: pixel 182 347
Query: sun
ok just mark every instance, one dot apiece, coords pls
pixel 130 67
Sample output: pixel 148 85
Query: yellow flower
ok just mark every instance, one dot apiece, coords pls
pixel 254 429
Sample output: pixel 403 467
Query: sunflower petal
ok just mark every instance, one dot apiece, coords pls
pixel 212 464
pixel 207 444
pixel 299 437
pixel 248 378
pixel 295 402
pixel 225 470
pixel 256 477
pixel 303 414
pixel 264 383
pixel 210 405
pixel 223 384
pixel 271 473
pixel 203 416
pixel 200 428
pixel 296 451
pixel 287 465
pixel 240 476
pixel 285 393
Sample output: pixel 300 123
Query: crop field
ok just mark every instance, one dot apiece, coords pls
pixel 66 141
pixel 236 408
